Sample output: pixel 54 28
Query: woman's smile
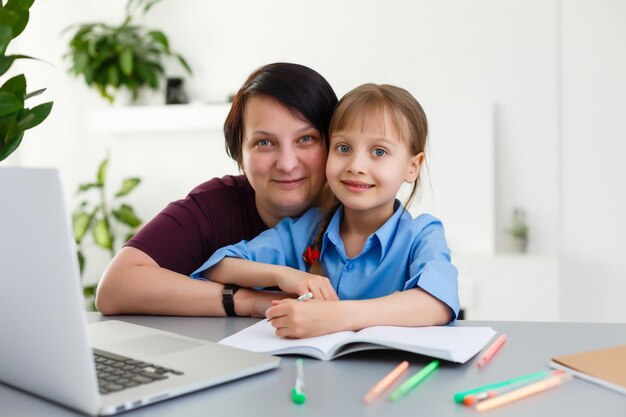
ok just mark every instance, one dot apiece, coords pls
pixel 289 184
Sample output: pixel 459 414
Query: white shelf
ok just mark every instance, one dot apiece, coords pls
pixel 161 118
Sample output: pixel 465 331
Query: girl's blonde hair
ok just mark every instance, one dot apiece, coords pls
pixel 366 101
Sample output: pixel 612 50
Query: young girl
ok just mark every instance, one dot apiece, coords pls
pixel 386 267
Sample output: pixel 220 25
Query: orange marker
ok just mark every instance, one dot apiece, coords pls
pixel 384 383
pixel 491 350
pixel 528 390
pixel 470 400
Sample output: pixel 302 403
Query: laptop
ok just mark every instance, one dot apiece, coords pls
pixel 47 347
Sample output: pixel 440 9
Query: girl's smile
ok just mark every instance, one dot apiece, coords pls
pixel 357 186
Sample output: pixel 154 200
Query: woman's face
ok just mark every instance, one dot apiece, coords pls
pixel 283 157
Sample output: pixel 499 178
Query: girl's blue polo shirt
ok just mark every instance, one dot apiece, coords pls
pixel 403 253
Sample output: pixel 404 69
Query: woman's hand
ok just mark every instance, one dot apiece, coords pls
pixel 299 282
pixel 297 319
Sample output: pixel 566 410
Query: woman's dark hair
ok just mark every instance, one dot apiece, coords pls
pixel 300 89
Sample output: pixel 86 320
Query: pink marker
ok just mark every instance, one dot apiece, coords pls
pixel 491 350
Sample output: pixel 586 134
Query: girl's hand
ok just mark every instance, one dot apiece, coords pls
pixel 297 319
pixel 299 282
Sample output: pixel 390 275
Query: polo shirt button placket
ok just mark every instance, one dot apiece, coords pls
pixel 350 267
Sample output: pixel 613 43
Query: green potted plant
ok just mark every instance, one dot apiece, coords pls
pixel 126 56
pixel 519 230
pixel 103 219
pixel 15 117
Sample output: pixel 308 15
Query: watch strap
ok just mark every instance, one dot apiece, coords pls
pixel 228 300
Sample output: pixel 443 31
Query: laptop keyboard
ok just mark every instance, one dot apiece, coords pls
pixel 116 372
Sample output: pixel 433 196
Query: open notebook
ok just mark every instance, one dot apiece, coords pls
pixel 455 344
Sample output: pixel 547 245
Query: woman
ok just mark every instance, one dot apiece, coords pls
pixel 277 132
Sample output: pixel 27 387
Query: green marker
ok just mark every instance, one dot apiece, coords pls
pixel 460 396
pixel 412 382
pixel 297 393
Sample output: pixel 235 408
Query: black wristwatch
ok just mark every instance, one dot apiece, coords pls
pixel 228 300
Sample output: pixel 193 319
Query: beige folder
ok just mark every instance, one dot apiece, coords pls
pixel 606 367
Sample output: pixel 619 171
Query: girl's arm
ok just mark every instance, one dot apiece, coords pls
pixel 413 307
pixel 273 258
pixel 247 273
pixel 133 283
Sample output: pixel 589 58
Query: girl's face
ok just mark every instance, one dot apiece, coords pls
pixel 283 158
pixel 367 164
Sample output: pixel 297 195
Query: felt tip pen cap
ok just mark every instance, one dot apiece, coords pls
pixel 297 393
pixel 297 396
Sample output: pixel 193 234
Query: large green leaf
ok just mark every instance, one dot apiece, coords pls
pixel 8 127
pixel 128 185
pixel 114 76
pixel 5 63
pixel 147 74
pixel 39 112
pixel 7 60
pixel 6 34
pixel 9 18
pixel 160 38
pixel 19 5
pixel 9 103
pixel 126 62
pixel 80 223
pixel 9 144
pixel 102 171
pixel 126 215
pixel 15 86
pixel 16 19
pixel 102 234
pixel 81 60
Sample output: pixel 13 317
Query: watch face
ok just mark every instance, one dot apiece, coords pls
pixel 230 289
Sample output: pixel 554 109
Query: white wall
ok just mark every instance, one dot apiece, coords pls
pixel 505 52
pixel 481 50
pixel 593 281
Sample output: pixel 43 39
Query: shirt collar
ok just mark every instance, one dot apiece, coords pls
pixel 384 234
pixel 387 231
pixel 332 231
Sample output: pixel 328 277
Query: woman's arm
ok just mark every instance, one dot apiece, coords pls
pixel 133 283
pixel 413 307
pixel 248 273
